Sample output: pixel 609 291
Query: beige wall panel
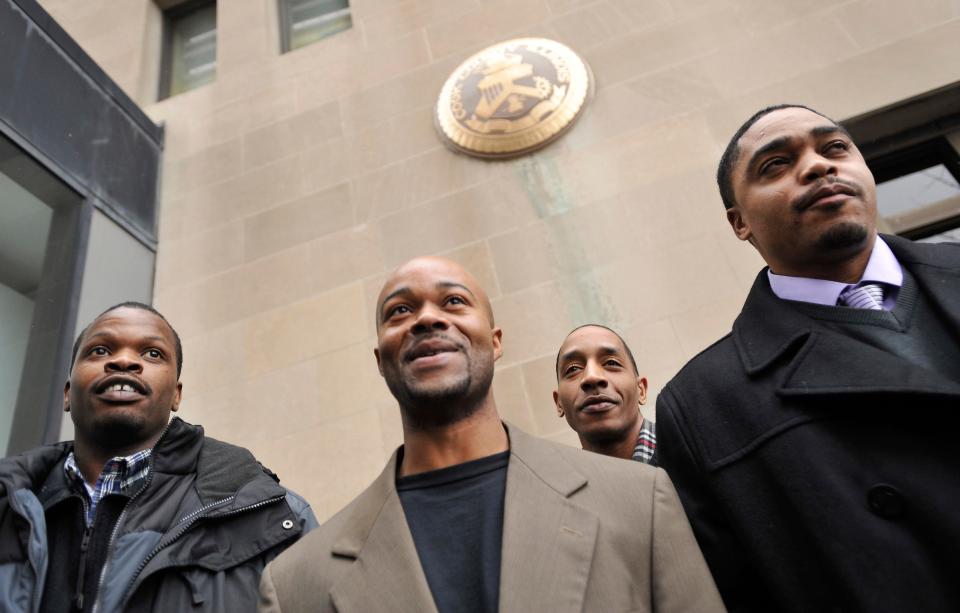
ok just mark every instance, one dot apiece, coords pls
pixel 194 257
pixel 389 20
pixel 205 305
pixel 245 33
pixel 216 360
pixel 284 138
pixel 242 195
pixel 390 141
pixel 699 327
pixel 540 380
pixel 305 329
pixel 277 280
pixel 328 464
pixel 780 53
pixel 656 347
pixel 534 321
pixel 210 165
pixel 510 392
pixel 354 253
pixel 295 182
pixel 590 25
pixel 313 216
pixel 466 216
pixel 415 180
pixel 360 68
pixel 490 20
pixel 875 23
pixel 324 166
pixel 647 51
pixel 415 90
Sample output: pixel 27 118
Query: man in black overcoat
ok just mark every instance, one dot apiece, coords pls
pixel 814 447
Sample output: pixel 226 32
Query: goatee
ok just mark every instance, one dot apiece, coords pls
pixel 429 409
pixel 843 237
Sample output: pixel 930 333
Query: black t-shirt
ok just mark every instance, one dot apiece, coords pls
pixel 455 516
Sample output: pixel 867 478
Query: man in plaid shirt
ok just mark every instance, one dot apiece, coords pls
pixel 141 512
pixel 600 391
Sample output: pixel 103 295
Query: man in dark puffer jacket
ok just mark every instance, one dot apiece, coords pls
pixel 140 513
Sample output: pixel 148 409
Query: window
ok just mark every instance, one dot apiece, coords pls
pixel 24 228
pixel 913 150
pixel 918 189
pixel 189 47
pixel 39 227
pixel 303 22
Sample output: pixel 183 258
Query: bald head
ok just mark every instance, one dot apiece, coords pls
pixel 441 273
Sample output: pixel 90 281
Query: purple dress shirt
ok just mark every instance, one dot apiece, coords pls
pixel 883 267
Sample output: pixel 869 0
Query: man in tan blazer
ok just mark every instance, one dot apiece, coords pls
pixel 471 514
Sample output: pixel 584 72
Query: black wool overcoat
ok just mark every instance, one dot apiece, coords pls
pixel 820 473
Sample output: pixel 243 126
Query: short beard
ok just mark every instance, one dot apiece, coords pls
pixel 116 431
pixel 843 237
pixel 434 409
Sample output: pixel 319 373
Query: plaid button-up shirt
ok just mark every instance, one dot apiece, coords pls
pixel 646 445
pixel 121 475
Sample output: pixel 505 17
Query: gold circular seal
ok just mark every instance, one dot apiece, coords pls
pixel 512 98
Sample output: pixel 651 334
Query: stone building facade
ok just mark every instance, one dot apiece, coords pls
pixel 295 182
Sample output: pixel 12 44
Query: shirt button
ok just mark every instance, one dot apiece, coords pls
pixel 287 524
pixel 885 501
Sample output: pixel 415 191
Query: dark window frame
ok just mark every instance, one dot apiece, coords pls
pixel 285 24
pixel 915 158
pixel 171 15
pixel 283 13
pixel 909 136
pixel 38 411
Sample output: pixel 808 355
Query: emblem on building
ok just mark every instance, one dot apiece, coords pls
pixel 512 98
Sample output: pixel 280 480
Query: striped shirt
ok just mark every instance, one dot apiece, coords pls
pixel 121 475
pixel 646 448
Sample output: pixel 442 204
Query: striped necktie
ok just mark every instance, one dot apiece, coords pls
pixel 864 296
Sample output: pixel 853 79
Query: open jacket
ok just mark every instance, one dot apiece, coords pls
pixel 196 537
pixel 820 473
pixel 581 532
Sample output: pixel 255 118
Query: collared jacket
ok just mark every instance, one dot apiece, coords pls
pixel 581 532
pixel 196 536
pixel 819 472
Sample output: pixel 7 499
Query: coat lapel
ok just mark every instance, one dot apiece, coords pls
pixel 831 363
pixel 548 541
pixel 386 575
pixel 825 362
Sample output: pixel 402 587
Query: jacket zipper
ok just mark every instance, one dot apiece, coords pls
pixel 188 522
pixel 84 544
pixel 116 526
pixel 113 535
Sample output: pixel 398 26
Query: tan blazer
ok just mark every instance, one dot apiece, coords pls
pixel 581 532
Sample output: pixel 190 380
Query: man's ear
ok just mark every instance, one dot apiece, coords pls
pixel 497 344
pixel 376 354
pixel 66 396
pixel 176 397
pixel 556 401
pixel 642 390
pixel 740 226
